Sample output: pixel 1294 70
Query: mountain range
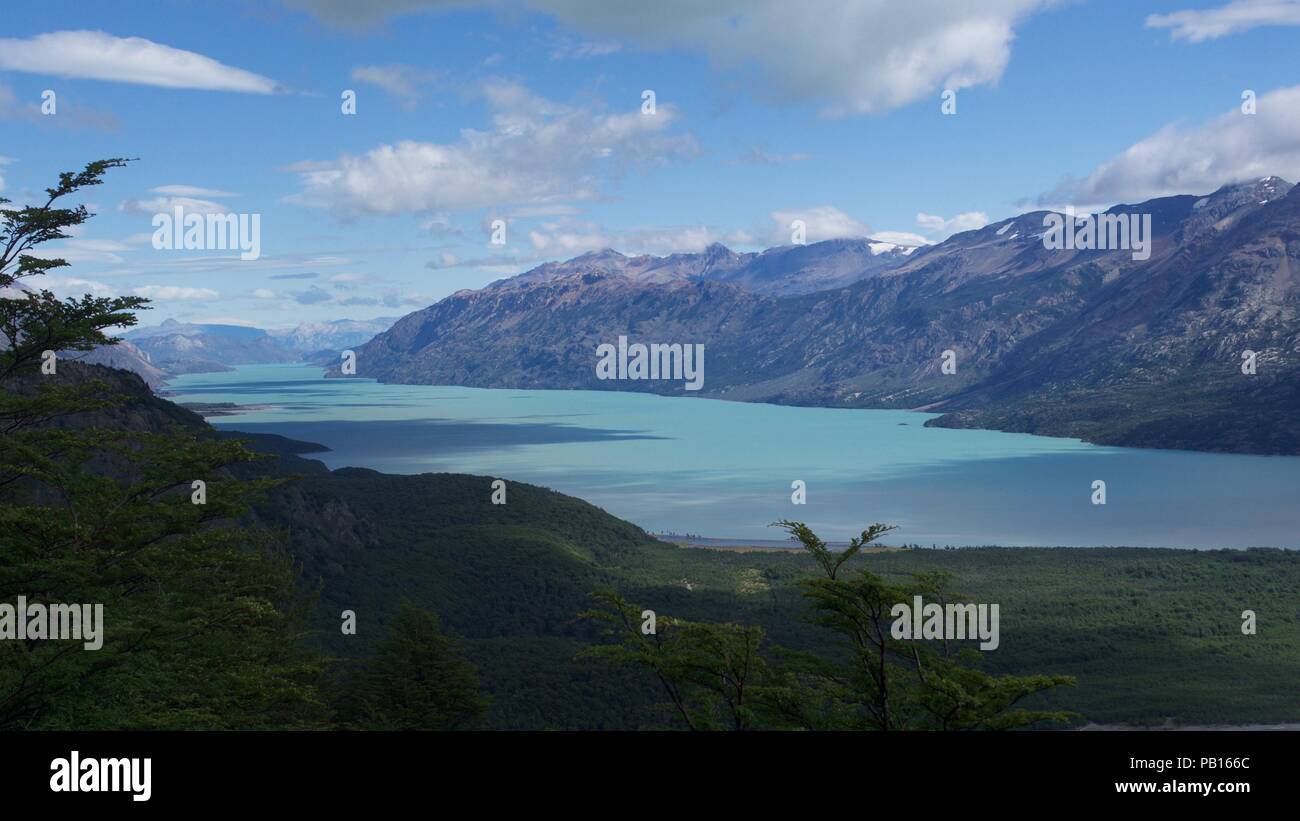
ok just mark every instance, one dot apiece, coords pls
pixel 173 348
pixel 782 271
pixel 1112 346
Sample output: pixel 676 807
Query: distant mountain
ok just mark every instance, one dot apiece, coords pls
pixel 1088 343
pixel 170 327
pixel 176 347
pixel 332 335
pixel 123 356
pixel 196 348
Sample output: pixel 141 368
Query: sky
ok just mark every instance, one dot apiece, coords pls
pixel 905 122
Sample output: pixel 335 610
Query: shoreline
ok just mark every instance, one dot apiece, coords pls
pixel 1171 727
pixel 726 545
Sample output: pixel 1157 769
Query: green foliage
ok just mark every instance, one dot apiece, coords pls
pixel 890 683
pixel 878 682
pixel 708 671
pixel 827 558
pixel 38 321
pixel 416 679
pixel 202 621
pixel 22 229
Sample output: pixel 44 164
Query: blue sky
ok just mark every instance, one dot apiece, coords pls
pixel 531 112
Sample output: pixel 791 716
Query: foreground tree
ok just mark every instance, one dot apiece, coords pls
pixel 416 679
pixel 708 671
pixel 35 323
pixel 882 682
pixel 716 678
pixel 202 622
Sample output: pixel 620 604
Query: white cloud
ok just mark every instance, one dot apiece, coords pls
pixel 403 82
pixel 440 225
pixel 858 56
pixel 73 286
pixel 757 156
pixel 174 292
pixel 108 248
pixel 584 50
pixel 190 191
pixel 264 293
pixel 543 211
pixel 97 55
pixel 828 222
pixel 570 238
pixel 166 205
pixel 855 56
pixel 313 295
pixel 901 238
pixel 537 152
pixel 216 266
pixel 509 261
pixel 1230 148
pixel 391 298
pixel 822 222
pixel 3 162
pixel 1199 25
pixel 77 249
pixel 939 228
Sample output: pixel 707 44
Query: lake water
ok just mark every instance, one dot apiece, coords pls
pixel 724 469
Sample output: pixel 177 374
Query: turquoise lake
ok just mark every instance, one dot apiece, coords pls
pixel 724 469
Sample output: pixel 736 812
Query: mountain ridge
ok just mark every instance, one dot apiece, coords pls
pixel 779 271
pixel 172 348
pixel 1079 342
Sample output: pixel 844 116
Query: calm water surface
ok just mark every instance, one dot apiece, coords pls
pixel 724 469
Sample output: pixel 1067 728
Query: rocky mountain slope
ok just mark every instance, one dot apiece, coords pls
pixel 124 356
pixel 1117 346
pixel 781 271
